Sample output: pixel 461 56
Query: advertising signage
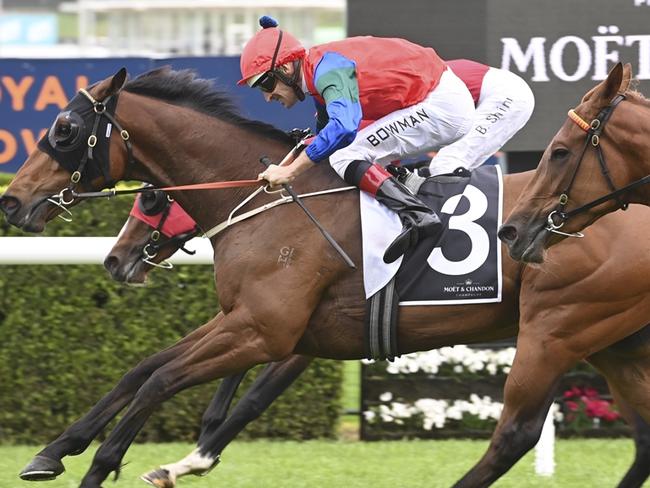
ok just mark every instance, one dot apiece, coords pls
pixel 33 92
pixel 561 48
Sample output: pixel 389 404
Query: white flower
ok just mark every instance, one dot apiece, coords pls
pixel 369 415
pixel 386 397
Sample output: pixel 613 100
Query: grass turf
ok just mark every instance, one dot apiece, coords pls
pixel 323 464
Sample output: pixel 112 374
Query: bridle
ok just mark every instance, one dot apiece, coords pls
pixel 87 166
pixel 162 204
pixel 558 217
pixel 100 110
pixel 66 156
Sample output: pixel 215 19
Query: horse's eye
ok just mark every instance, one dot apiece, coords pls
pixel 559 154
pixel 63 131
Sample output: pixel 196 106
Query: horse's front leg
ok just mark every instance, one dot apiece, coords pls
pixel 528 395
pixel 75 439
pixel 235 345
pixel 268 386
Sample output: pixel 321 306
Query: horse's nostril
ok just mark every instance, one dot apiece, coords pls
pixel 111 263
pixel 9 205
pixel 507 233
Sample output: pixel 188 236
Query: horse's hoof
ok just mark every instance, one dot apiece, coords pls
pixel 159 478
pixel 42 468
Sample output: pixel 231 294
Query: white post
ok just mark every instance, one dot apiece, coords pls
pixel 545 448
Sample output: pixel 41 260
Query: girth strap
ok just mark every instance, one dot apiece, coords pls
pixel 381 324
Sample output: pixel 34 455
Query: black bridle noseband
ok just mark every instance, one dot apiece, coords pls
pixel 558 217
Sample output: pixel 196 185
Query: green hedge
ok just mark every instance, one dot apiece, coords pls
pixel 5 178
pixel 69 333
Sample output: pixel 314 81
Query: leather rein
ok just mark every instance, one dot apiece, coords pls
pixel 69 194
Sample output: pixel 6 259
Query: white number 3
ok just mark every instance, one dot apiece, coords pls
pixel 480 247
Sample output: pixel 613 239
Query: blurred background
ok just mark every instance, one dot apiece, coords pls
pixel 103 28
pixel 58 353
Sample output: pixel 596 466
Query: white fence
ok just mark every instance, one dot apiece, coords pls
pixel 82 250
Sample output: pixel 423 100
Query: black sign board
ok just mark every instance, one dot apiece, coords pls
pixel 561 48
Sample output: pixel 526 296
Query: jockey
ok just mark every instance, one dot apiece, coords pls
pixel 504 103
pixel 415 102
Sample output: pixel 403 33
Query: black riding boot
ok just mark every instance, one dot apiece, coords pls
pixel 419 220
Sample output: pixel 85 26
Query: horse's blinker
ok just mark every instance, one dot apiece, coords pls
pixel 81 135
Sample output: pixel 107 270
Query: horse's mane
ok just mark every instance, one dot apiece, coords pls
pixel 637 96
pixel 185 89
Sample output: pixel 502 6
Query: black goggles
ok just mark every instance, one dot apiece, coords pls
pixel 267 82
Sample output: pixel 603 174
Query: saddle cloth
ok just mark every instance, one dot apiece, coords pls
pixel 463 265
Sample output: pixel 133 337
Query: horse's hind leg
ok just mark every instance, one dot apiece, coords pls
pixel 216 435
pixel 528 395
pixel 75 439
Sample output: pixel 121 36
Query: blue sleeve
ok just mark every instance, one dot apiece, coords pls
pixel 335 79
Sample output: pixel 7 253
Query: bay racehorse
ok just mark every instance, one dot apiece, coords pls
pixel 172 129
pixel 597 163
pixel 146 240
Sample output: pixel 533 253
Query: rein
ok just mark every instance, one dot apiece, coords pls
pixel 557 218
pixel 215 185
pixel 101 109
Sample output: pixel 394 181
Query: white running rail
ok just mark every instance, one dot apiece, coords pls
pixel 83 250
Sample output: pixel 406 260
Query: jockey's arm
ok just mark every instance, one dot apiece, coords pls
pixel 279 175
pixel 336 82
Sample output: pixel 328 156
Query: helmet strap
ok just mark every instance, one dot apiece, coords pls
pixel 293 81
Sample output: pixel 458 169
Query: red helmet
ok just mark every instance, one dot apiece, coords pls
pixel 258 54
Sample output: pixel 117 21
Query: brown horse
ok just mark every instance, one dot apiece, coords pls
pixel 314 305
pixel 597 163
pixel 128 261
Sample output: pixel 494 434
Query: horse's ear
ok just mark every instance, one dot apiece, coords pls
pixel 606 90
pixel 589 94
pixel 627 77
pixel 117 82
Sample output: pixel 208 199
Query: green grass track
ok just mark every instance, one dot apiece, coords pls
pixel 323 464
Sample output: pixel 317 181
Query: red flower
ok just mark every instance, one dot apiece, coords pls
pixel 585 403
pixel 611 416
pixel 572 406
pixel 573 392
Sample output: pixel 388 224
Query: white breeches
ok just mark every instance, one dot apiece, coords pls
pixel 505 105
pixel 444 116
